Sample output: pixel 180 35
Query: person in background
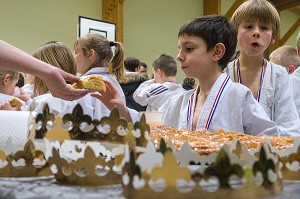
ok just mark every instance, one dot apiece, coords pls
pixel 94 55
pixel 133 81
pixel 12 58
pixel 206 45
pixel 155 93
pixel 20 81
pixel 287 57
pixel 143 69
pixel 59 55
pixel 189 83
pixel 257 23
pixel 8 82
pixel 295 79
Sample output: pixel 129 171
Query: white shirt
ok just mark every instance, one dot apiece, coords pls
pixel 295 78
pixel 155 95
pixel 236 111
pixel 276 98
pixel 95 107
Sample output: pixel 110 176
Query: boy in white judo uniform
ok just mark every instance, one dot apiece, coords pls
pixel 295 78
pixel 257 23
pixel 206 44
pixel 155 93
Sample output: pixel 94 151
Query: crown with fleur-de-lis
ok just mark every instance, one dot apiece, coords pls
pixel 170 175
pixel 77 126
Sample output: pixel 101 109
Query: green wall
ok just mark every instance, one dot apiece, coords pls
pixel 29 23
pixel 151 27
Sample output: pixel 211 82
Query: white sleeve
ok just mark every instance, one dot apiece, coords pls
pixel 142 93
pixel 284 110
pixel 255 119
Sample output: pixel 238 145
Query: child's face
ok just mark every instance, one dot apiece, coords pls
pixel 82 61
pixel 193 56
pixel 254 37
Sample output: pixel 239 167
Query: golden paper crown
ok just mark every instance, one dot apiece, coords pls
pixel 72 144
pixel 77 126
pixel 28 162
pixel 228 174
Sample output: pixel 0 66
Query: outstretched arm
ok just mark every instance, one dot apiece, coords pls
pixel 111 98
pixel 12 58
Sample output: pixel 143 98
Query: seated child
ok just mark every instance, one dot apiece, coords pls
pixel 9 80
pixel 206 44
pixel 155 93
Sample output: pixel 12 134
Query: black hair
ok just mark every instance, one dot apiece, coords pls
pixel 213 29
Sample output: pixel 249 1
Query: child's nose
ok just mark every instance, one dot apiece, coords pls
pixel 179 57
pixel 256 32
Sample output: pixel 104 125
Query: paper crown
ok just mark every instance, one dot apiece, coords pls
pixel 227 175
pixel 76 159
pixel 94 167
pixel 77 126
pixel 27 163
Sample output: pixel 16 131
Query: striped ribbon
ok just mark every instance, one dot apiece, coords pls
pixel 158 90
pixel 262 76
pixel 216 102
pixel 190 111
pixel 213 109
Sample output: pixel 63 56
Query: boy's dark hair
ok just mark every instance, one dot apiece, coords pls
pixel 143 64
pixel 131 64
pixel 166 63
pixel 213 29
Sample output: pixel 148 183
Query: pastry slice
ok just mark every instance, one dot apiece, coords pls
pixel 14 102
pixel 93 83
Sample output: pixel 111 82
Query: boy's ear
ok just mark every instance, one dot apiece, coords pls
pixel 91 53
pixel 272 40
pixel 291 68
pixel 219 51
pixel 159 72
pixel 5 79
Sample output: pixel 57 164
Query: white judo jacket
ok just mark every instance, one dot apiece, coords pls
pixel 229 106
pixel 276 98
pixel 155 95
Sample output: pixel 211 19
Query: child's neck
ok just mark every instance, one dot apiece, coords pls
pixel 170 79
pixel 206 83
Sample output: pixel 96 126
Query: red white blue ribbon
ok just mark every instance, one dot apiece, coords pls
pixel 262 75
pixel 191 106
pixel 216 102
pixel 189 115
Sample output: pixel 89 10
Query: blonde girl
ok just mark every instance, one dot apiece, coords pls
pixel 59 55
pixel 95 57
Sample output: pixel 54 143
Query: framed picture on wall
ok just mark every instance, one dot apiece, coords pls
pixel 88 25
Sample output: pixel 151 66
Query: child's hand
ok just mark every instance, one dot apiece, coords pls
pixel 111 98
pixel 23 95
pixel 6 106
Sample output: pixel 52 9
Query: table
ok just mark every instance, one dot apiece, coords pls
pixel 47 187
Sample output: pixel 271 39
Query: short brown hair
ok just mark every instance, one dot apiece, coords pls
pixel 166 63
pixel 257 10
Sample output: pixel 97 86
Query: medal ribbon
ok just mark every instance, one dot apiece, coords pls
pixel 262 75
pixel 214 107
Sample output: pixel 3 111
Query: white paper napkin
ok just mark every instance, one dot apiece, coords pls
pixel 14 128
